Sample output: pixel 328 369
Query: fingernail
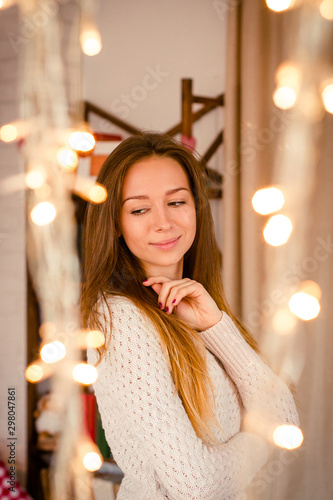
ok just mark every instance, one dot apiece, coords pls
pixel 160 305
pixel 144 281
pixel 167 309
pixel 174 300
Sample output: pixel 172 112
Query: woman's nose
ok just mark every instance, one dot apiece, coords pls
pixel 161 219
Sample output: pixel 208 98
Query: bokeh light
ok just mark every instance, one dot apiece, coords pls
pixel 85 374
pixel 326 9
pixel 8 133
pixel 304 306
pixel 95 339
pixel 67 158
pixel 91 42
pixel 43 213
pixel 284 97
pixel 268 200
pixel 97 194
pixel 82 141
pixel 277 230
pixel 34 179
pixel 92 461
pixel 34 372
pixel 288 436
pixel 284 321
pixel 327 96
pixel 279 5
pixel 53 352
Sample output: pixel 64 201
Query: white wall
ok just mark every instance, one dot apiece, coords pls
pixel 13 327
pixel 175 39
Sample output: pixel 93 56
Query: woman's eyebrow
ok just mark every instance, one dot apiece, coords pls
pixel 145 197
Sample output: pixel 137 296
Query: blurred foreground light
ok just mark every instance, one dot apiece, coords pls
pixel 268 200
pixel 95 339
pixel 90 454
pixel 327 96
pixel 326 9
pixel 34 179
pixel 91 43
pixel 43 213
pixel 284 321
pixel 8 133
pixel 277 230
pixel 284 97
pixel 279 5
pixel 304 306
pixel 85 374
pixel 92 461
pixel 97 194
pixel 53 352
pixel 82 141
pixel 288 436
pixel 34 372
pixel 288 75
pixel 67 158
pixel 311 288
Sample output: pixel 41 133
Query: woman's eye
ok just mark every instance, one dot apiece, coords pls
pixel 177 203
pixel 141 211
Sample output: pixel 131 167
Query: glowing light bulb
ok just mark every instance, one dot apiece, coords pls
pixel 8 133
pixel 268 200
pixel 284 321
pixel 43 213
pixel 67 158
pixel 91 43
pixel 85 374
pixel 97 193
pixel 95 339
pixel 327 96
pixel 288 436
pixel 53 352
pixel 284 97
pixel 82 141
pixel 279 5
pixel 304 306
pixel 92 461
pixel 277 230
pixel 326 9
pixel 34 179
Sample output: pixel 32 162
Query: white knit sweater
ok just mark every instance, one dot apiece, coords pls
pixel 147 428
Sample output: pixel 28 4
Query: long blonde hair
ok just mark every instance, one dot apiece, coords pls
pixel 111 269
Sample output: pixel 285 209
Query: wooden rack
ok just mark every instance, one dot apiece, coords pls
pixel 184 127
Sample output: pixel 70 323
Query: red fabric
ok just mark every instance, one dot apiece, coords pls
pixel 89 415
pixel 9 488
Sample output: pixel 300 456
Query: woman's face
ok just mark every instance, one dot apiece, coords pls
pixel 158 218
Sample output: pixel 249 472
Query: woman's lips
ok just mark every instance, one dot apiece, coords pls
pixel 166 244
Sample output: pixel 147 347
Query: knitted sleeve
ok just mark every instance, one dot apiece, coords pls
pixel 145 422
pixel 261 390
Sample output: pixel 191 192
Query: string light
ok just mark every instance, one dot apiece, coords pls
pixel 304 306
pixel 95 339
pixel 284 321
pixel 8 133
pixel 91 42
pixel 43 213
pixel 284 97
pixel 288 436
pixel 90 455
pixel 279 5
pixel 67 158
pixel 327 96
pixel 326 9
pixel 90 190
pixel 53 352
pixel 34 179
pixel 82 141
pixel 268 200
pixel 34 373
pixel 84 373
pixel 277 230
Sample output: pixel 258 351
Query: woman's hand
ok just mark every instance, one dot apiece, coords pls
pixel 186 298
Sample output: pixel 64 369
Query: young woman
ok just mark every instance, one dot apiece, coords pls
pixel 178 370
